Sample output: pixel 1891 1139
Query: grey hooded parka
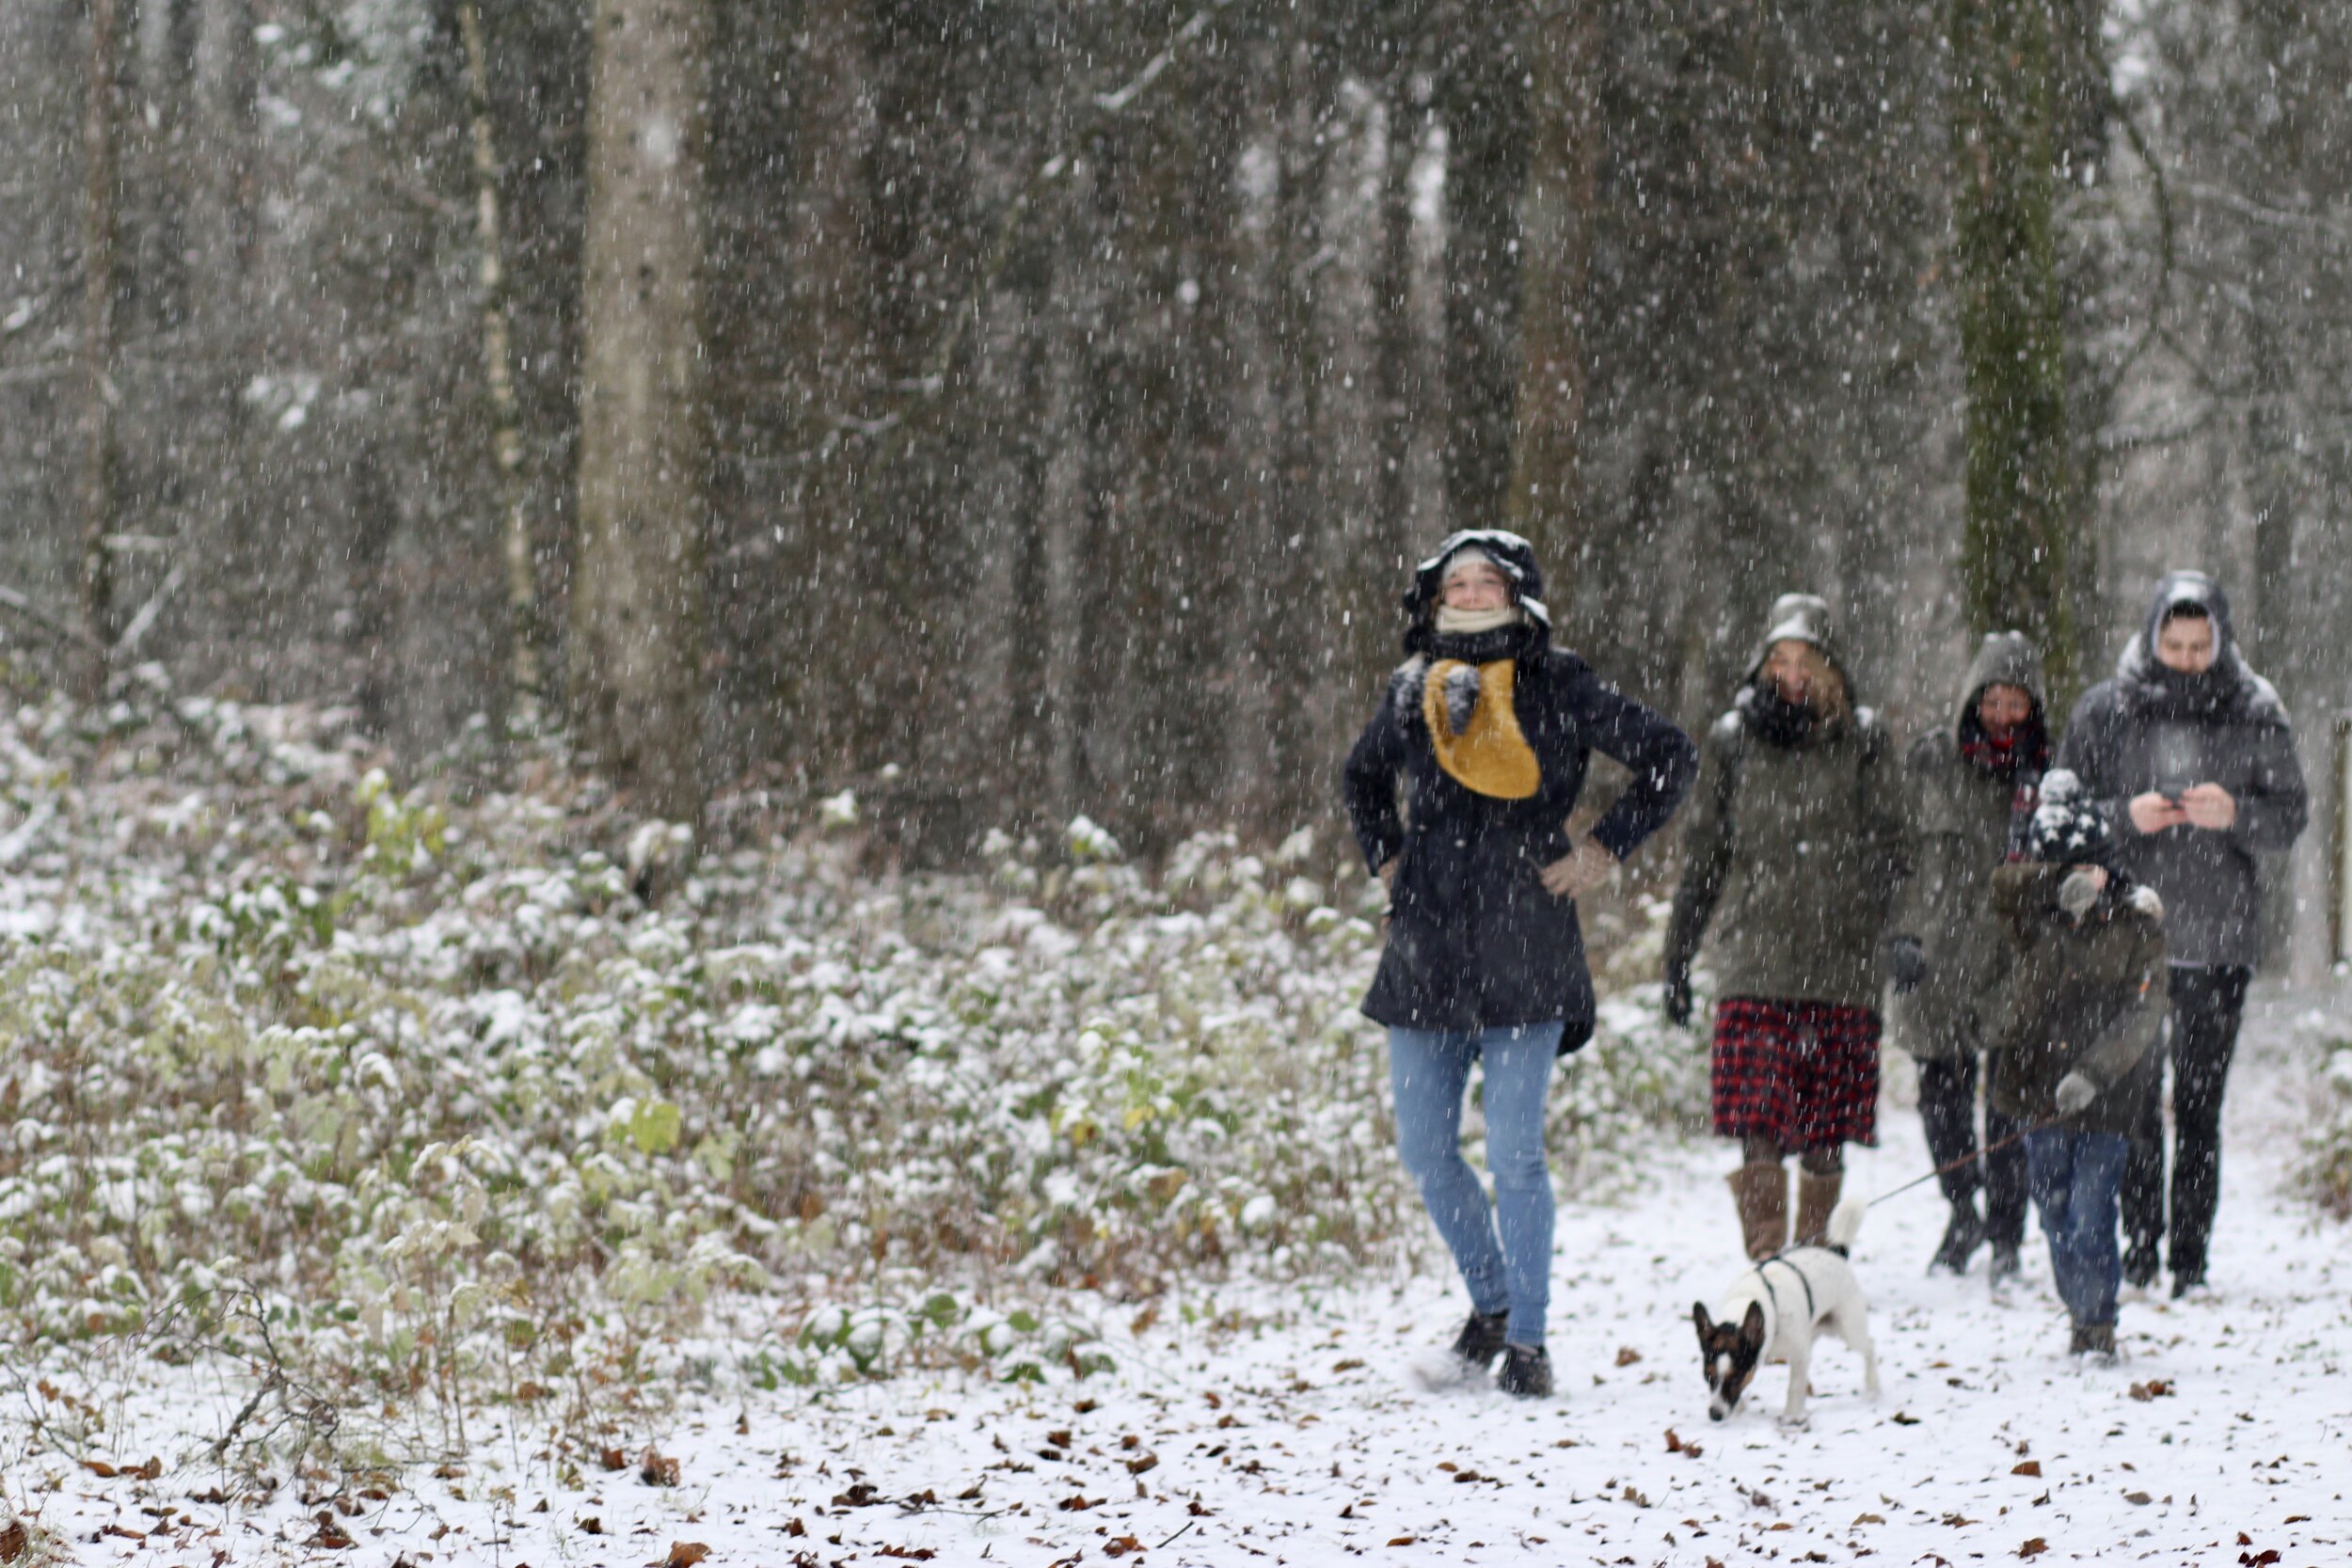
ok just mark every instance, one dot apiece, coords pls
pixel 1800 846
pixel 2154 728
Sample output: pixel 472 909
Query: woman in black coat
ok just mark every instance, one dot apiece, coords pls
pixel 1490 729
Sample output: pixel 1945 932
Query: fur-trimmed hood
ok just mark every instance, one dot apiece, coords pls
pixel 2229 686
pixel 1511 552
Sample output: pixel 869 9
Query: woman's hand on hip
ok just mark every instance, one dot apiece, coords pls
pixel 1578 872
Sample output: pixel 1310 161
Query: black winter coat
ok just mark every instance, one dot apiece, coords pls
pixel 1474 940
pixel 2149 728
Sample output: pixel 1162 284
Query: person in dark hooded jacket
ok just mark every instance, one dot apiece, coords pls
pixel 1966 784
pixel 2192 755
pixel 1797 833
pixel 1490 729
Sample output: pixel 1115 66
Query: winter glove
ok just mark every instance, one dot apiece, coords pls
pixel 1677 995
pixel 2080 890
pixel 1907 962
pixel 2075 1093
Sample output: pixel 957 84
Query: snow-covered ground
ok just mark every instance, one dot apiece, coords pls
pixel 2220 1438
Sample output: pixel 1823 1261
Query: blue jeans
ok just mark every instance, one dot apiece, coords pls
pixel 2074 1178
pixel 1503 1251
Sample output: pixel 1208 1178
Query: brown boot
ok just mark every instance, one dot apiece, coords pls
pixel 1761 1193
pixel 1816 1196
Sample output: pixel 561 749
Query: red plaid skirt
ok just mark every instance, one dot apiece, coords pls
pixel 1804 1074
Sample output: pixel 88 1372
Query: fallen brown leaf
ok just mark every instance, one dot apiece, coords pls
pixel 1401 1539
pixel 1121 1547
pixel 614 1458
pixel 654 1469
pixel 2030 1467
pixel 1675 1445
pixel 15 1540
pixel 683 1554
pixel 2034 1547
pixel 2154 1389
pixel 1627 1355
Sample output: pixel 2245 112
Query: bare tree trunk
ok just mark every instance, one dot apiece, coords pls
pixel 100 210
pixel 831 306
pixel 1483 101
pixel 498 367
pixel 637 597
pixel 1397 364
pixel 2021 495
pixel 1556 256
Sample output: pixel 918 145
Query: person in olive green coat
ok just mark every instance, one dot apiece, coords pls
pixel 2075 1052
pixel 1964 783
pixel 1797 838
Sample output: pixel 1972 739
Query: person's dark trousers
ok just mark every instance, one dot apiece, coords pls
pixel 2207 1004
pixel 1948 1108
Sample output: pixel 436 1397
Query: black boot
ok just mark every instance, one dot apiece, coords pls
pixel 2093 1342
pixel 1480 1342
pixel 1962 1237
pixel 2140 1264
pixel 1526 1372
pixel 2004 1267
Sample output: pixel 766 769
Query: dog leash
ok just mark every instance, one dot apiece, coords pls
pixel 1966 1159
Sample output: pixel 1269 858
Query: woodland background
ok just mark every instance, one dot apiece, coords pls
pixel 1012 409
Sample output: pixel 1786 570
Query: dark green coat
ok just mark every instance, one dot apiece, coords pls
pixel 1798 849
pixel 1958 815
pixel 2089 997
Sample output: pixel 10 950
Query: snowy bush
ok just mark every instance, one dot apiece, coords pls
pixel 2326 1170
pixel 430 1089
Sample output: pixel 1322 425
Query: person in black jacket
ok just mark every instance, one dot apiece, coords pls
pixel 2191 754
pixel 1492 728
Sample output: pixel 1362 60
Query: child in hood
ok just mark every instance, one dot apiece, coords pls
pixel 2086 999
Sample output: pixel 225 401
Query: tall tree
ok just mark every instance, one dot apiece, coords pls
pixel 1556 220
pixel 1482 99
pixel 519 549
pixel 637 590
pixel 100 211
pixel 2022 527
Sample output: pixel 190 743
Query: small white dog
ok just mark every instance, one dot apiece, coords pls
pixel 1772 1312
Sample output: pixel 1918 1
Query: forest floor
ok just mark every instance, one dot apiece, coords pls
pixel 1302 1437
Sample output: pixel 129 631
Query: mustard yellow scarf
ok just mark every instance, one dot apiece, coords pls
pixel 1490 755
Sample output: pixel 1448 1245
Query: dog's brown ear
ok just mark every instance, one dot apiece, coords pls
pixel 1698 1316
pixel 1752 1326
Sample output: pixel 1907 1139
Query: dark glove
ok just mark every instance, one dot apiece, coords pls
pixel 1907 962
pixel 1677 994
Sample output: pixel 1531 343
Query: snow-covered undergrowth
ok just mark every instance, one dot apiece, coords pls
pixel 2327 1170
pixel 407 1096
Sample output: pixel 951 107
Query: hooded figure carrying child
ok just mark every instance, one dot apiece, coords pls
pixel 1969 784
pixel 2073 1053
